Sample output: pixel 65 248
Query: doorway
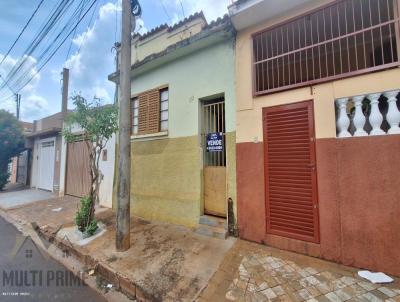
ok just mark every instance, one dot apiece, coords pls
pixel 214 157
pixel 290 171
pixel 46 163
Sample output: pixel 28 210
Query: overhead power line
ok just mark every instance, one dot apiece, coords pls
pixel 22 31
pixel 58 47
pixel 183 12
pixel 18 77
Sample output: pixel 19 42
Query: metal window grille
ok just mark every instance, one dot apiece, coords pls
pixel 342 39
pixel 213 122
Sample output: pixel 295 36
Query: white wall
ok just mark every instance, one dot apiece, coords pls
pixel 107 169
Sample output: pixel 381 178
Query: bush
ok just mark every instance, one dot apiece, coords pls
pixel 4 175
pixel 83 215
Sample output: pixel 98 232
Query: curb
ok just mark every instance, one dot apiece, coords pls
pixel 121 283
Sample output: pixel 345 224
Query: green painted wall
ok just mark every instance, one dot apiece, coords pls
pixel 166 180
pixel 206 72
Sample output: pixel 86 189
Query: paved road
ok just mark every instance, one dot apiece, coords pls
pixel 28 274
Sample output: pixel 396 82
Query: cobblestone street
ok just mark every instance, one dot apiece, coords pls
pixel 253 272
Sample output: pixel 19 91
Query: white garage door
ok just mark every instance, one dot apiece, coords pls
pixel 46 164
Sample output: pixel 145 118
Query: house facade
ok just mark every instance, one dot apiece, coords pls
pixel 45 144
pixel 75 168
pixel 183 122
pixel 317 90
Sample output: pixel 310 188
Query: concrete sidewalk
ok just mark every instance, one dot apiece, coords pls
pixel 16 198
pixel 165 262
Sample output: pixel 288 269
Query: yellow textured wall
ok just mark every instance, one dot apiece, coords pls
pixel 165 180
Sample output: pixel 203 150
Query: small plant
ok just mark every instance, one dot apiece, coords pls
pixel 92 228
pixel 82 218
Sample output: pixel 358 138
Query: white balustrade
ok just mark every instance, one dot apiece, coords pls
pixel 375 117
pixel 343 122
pixel 393 115
pixel 359 117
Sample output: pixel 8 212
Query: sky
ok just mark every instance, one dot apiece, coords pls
pixel 90 58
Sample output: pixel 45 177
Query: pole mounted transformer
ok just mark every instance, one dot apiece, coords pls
pixel 130 10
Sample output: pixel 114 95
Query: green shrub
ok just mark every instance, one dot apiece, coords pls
pixel 83 215
pixel 4 175
pixel 91 228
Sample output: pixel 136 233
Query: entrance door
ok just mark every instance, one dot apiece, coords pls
pixel 290 173
pixel 78 169
pixel 214 157
pixel 46 164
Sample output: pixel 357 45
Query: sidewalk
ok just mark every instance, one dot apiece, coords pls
pixel 172 263
pixel 165 262
pixel 252 272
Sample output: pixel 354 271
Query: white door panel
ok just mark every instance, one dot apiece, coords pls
pixel 46 164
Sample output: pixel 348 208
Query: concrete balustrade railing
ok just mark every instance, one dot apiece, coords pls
pixel 364 115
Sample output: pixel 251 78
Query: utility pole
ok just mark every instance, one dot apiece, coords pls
pixel 124 179
pixel 64 100
pixel 18 104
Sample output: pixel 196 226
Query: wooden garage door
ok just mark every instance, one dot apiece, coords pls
pixel 78 169
pixel 290 172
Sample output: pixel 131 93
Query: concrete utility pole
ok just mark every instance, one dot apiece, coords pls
pixel 18 103
pixel 124 179
pixel 64 101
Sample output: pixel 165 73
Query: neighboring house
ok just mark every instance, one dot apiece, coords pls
pixel 45 143
pixel 317 86
pixel 19 166
pixel 75 169
pixel 182 93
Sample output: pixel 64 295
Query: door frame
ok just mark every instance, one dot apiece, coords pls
pixel 310 104
pixel 45 140
pixel 220 162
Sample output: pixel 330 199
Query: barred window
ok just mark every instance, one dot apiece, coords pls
pixel 342 39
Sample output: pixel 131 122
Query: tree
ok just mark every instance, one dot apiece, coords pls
pixel 11 143
pixel 97 123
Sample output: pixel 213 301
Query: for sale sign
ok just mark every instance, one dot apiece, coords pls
pixel 214 142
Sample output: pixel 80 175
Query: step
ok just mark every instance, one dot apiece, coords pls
pixel 213 221
pixel 211 231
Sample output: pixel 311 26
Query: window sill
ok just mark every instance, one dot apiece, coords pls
pixel 151 136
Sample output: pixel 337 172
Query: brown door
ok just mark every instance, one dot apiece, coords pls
pixel 78 169
pixel 214 158
pixel 290 172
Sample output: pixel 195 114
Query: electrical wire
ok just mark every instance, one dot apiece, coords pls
pixel 73 36
pixel 183 12
pixel 22 31
pixel 52 47
pixel 49 58
pixel 166 12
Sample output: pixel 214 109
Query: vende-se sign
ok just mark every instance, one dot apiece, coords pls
pixel 214 142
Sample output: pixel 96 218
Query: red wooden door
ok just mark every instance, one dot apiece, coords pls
pixel 290 171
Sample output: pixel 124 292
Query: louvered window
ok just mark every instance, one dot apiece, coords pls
pixel 149 112
pixel 344 38
pixel 291 192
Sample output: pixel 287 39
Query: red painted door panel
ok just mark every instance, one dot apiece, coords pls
pixel 290 171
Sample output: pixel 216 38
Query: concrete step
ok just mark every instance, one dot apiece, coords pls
pixel 211 231
pixel 213 221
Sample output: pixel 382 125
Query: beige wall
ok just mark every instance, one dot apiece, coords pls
pixel 160 41
pixel 249 108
